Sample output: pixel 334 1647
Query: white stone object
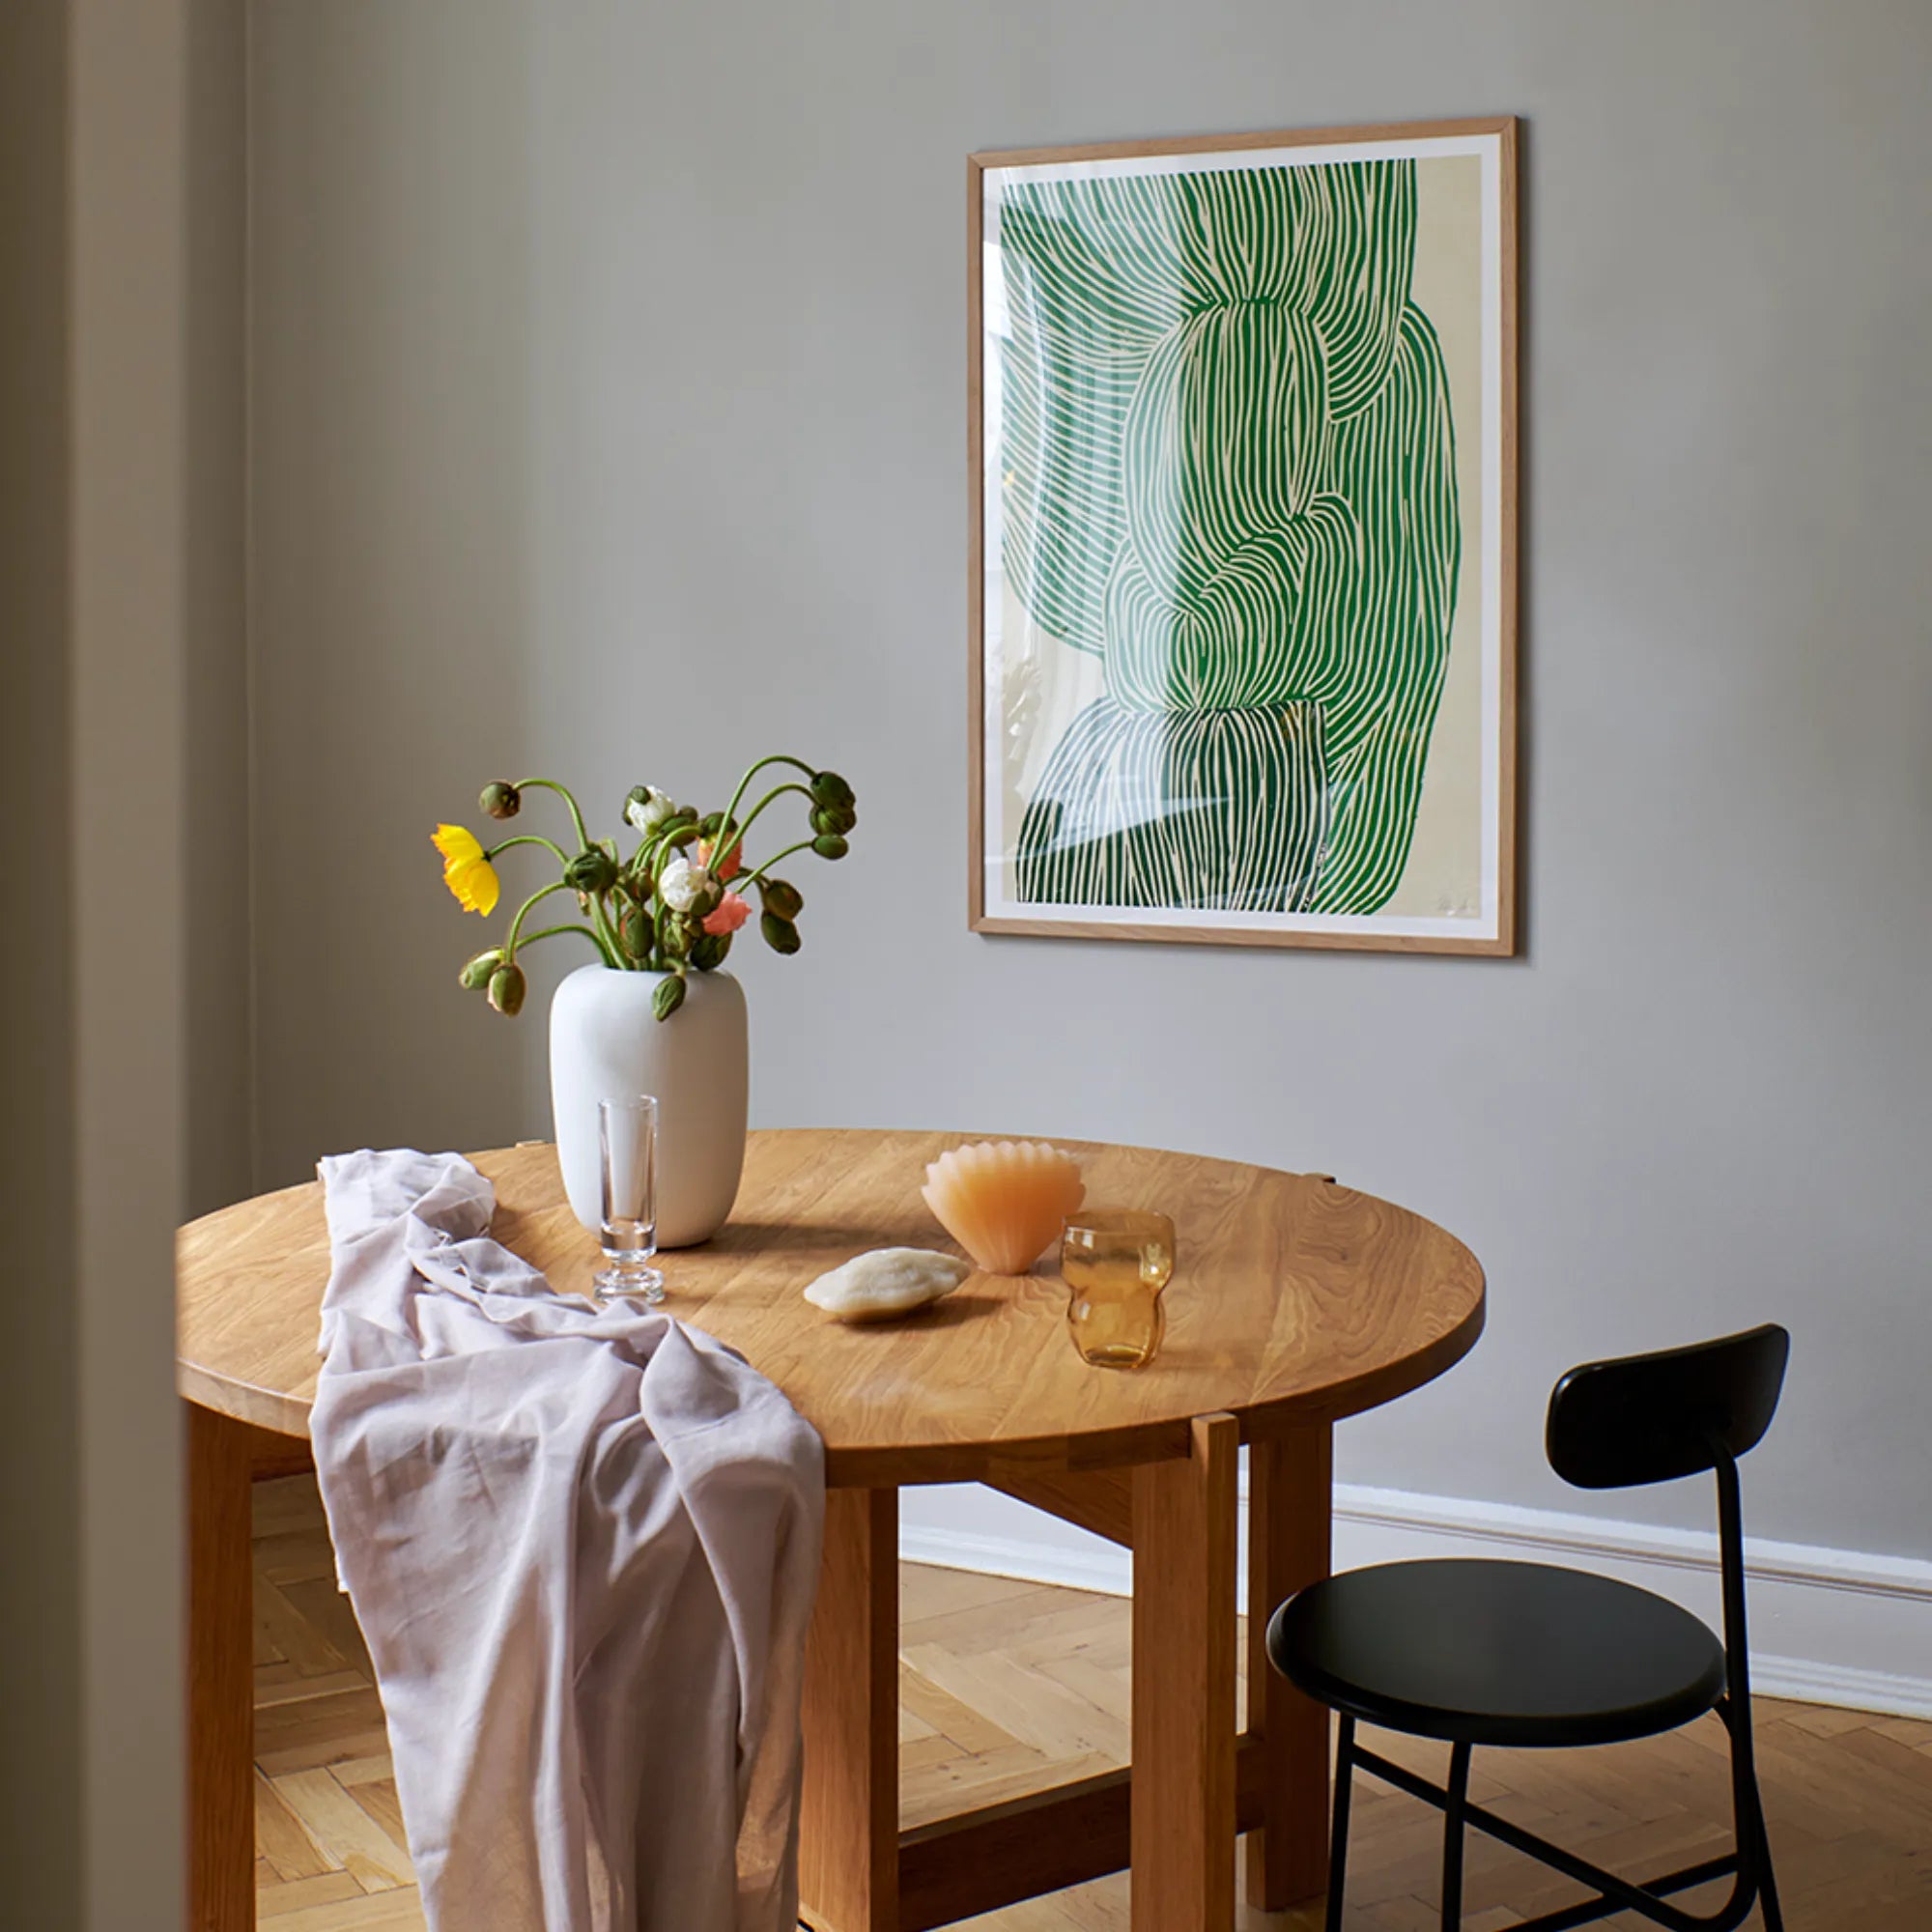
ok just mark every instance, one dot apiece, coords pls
pixel 606 1041
pixel 885 1282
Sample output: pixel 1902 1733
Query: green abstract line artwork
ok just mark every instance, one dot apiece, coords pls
pixel 1227 470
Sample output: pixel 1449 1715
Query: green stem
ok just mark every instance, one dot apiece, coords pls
pixel 751 819
pixel 524 911
pixel 530 838
pixel 647 841
pixel 658 847
pixel 550 931
pixel 745 879
pixel 600 918
pixel 745 783
pixel 563 792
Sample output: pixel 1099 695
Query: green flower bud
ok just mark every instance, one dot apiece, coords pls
pixel 707 953
pixel 681 830
pixel 781 934
pixel 501 800
pixel 830 845
pixel 475 975
pixel 677 936
pixel 668 997
pixel 507 988
pixel 786 900
pixel 636 933
pixel 834 818
pixel 828 788
pixel 593 870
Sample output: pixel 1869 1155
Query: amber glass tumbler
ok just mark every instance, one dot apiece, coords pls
pixel 1116 1261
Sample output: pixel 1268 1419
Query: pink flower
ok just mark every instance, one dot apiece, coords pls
pixel 728 869
pixel 730 914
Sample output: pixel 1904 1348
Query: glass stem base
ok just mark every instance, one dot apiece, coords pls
pixel 626 1278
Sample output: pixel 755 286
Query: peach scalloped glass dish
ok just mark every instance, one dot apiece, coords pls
pixel 1004 1202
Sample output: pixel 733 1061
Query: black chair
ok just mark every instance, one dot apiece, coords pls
pixel 1525 1655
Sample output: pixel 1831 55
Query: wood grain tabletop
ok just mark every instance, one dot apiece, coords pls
pixel 1292 1299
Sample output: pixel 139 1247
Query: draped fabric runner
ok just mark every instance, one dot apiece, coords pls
pixel 582 1545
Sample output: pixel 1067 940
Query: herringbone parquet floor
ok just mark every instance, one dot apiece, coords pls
pixel 1006 1687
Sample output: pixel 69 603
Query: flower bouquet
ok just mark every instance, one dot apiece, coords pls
pixel 672 906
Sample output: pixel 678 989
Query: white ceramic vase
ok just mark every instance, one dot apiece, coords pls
pixel 605 1042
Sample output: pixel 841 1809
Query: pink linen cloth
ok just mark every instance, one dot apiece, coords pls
pixel 582 1544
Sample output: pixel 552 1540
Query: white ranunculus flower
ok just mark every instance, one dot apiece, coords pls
pixel 681 885
pixel 647 807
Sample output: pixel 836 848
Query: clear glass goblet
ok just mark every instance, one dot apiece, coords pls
pixel 627 1131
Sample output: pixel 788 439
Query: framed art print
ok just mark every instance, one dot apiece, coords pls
pixel 1242 421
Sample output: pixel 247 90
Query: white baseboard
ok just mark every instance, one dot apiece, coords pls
pixel 1828 1626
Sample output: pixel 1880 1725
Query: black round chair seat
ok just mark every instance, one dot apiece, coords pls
pixel 1498 1653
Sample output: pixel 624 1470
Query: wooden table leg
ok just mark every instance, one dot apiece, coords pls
pixel 1289 1504
pixel 220 1716
pixel 1183 1692
pixel 849 1817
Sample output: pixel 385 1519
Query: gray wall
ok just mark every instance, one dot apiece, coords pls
pixel 608 422
pixel 219 1142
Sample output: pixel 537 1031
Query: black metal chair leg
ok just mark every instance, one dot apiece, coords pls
pixel 1338 1843
pixel 1767 1881
pixel 1453 1831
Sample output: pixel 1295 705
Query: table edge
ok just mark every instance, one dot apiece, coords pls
pixel 873 1466
pixel 865 1466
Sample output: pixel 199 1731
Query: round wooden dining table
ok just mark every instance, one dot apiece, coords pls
pixel 1294 1302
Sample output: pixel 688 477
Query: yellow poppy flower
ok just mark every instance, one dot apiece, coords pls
pixel 466 872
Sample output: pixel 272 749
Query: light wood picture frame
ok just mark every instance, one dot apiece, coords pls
pixel 1241 561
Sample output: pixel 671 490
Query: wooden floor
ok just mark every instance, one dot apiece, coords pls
pixel 1008 1685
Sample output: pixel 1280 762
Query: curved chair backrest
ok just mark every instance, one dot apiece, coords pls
pixel 1647 1418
